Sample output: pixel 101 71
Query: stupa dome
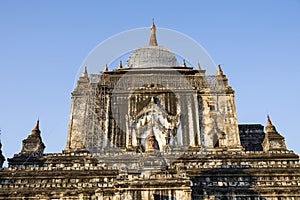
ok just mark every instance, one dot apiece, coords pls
pixel 152 55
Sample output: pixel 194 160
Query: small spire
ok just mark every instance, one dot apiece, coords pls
pixel 37 125
pixel 183 63
pixel 36 129
pixel 220 72
pixel 0 142
pixel 152 101
pixel 270 127
pixel 105 68
pixel 84 73
pixel 120 65
pixel 269 121
pixel 151 144
pixel 153 41
pixel 199 66
pixel 151 134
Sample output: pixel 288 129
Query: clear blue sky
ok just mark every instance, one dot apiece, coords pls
pixel 43 43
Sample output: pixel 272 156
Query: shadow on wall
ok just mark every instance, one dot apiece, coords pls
pixel 160 197
pixel 228 183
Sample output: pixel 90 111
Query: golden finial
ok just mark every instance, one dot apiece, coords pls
pixel 153 41
pixel 84 73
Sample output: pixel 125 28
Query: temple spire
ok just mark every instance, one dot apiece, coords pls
pixel 153 41
pixel 220 72
pixel 269 121
pixel 84 73
pixel 199 66
pixel 151 134
pixel 36 129
pixel 105 68
pixel 120 65
pixel 2 158
pixel 273 140
pixel 151 144
pixel 183 63
pixel 270 126
pixel 37 125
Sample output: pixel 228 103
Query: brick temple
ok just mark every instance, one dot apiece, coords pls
pixel 156 130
